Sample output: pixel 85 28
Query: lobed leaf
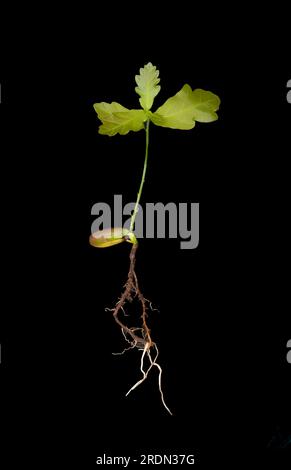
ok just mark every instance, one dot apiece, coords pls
pixel 116 119
pixel 187 106
pixel 147 85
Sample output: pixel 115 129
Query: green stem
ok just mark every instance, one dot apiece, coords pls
pixel 132 220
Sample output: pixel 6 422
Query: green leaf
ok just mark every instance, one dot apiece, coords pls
pixel 118 119
pixel 187 106
pixel 147 85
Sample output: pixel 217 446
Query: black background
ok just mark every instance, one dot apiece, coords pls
pixel 222 325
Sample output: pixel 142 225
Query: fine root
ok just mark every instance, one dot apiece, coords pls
pixel 138 337
pixel 147 351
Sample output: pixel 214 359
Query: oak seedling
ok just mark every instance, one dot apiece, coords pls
pixel 180 111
